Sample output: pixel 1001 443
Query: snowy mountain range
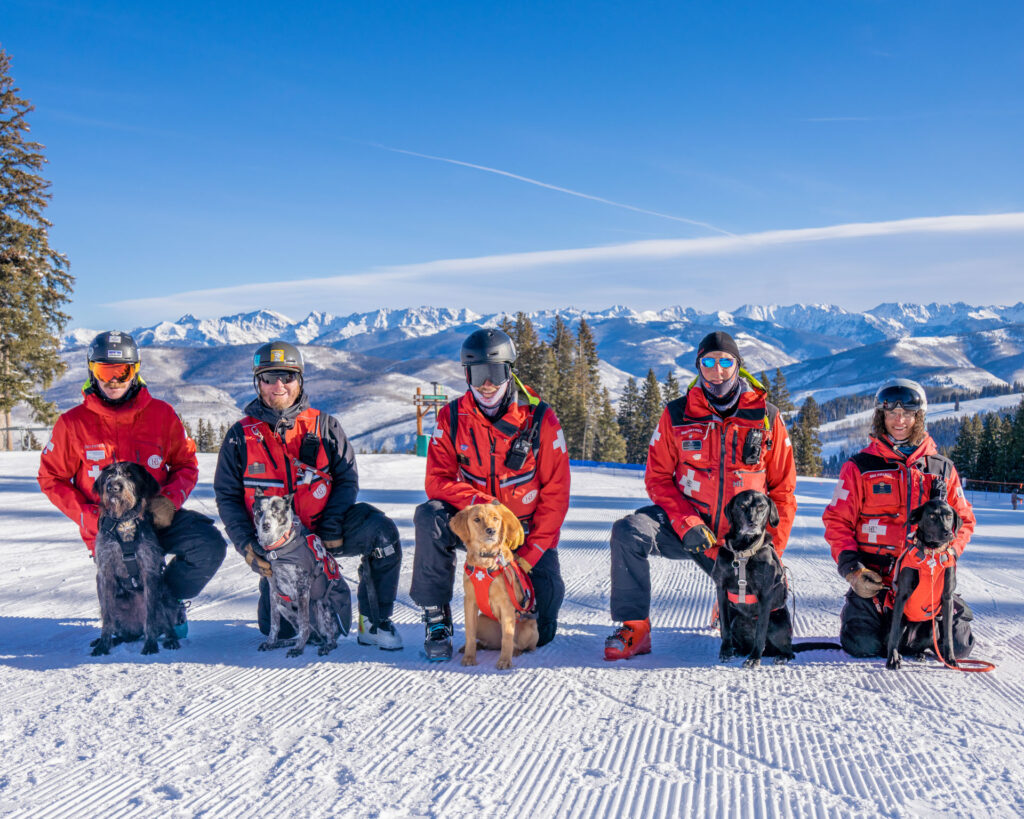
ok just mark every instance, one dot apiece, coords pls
pixel 365 367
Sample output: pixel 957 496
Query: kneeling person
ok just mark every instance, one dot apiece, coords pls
pixel 284 446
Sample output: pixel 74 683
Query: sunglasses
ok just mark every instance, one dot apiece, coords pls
pixel 709 363
pixel 273 376
pixel 497 373
pixel 117 371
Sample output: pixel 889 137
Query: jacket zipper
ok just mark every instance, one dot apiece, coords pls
pixel 494 477
pixel 721 479
pixel 735 435
pixel 472 435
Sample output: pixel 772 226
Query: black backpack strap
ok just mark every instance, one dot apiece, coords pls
pixel 453 419
pixel 677 411
pixel 866 462
pixel 539 412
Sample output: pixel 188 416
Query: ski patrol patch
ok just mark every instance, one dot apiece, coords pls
pixel 881 489
pixel 320 492
pixel 95 453
pixel 276 356
pixel 530 497
pixel 155 462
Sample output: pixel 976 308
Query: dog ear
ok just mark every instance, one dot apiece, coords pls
pixel 729 508
pixel 512 534
pixel 957 521
pixel 459 524
pixel 915 516
pixel 101 479
pixel 773 513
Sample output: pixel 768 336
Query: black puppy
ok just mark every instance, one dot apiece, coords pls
pixel 751 584
pixel 134 601
pixel 923 572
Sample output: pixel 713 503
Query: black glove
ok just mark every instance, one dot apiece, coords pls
pixel 257 563
pixel 698 539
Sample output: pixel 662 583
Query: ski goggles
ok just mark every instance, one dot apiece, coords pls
pixel 273 376
pixel 113 371
pixel 898 397
pixel 725 362
pixel 497 373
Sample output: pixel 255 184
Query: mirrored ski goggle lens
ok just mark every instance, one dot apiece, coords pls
pixel 899 398
pixel 116 371
pixel 273 376
pixel 709 363
pixel 496 373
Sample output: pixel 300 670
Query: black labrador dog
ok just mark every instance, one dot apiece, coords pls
pixel 923 573
pixel 134 601
pixel 751 585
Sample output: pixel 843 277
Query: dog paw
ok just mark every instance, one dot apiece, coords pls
pixel 504 663
pixel 752 662
pixel 295 652
pixel 267 645
pixel 171 643
pixel 725 655
pixel 469 659
pixel 894 661
pixel 151 647
pixel 326 648
pixel 100 648
pixel 782 659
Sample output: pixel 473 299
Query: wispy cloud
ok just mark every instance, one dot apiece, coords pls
pixel 545 274
pixel 557 188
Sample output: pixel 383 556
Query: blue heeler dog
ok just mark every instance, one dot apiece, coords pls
pixel 134 601
pixel 306 586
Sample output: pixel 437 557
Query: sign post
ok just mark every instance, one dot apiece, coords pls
pixel 424 403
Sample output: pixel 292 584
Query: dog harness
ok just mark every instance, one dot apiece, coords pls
pixel 288 549
pixel 925 602
pixel 741 597
pixel 128 551
pixel 482 579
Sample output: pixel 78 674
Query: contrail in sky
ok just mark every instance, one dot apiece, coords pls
pixel 554 188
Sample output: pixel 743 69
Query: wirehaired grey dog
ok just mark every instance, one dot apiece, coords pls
pixel 304 581
pixel 134 601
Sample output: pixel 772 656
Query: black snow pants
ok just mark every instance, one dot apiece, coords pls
pixel 864 630
pixel 434 563
pixel 196 548
pixel 367 532
pixel 647 531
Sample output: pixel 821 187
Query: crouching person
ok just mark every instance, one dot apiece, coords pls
pixel 285 447
pixel 118 420
pixel 722 437
pixel 866 522
pixel 496 442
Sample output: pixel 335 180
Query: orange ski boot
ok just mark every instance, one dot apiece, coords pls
pixel 632 638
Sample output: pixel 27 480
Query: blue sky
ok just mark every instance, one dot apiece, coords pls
pixel 216 158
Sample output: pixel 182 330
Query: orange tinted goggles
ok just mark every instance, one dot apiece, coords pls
pixel 113 372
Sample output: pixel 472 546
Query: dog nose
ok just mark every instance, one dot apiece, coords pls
pixel 491 530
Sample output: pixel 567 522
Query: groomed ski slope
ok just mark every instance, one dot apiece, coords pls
pixel 217 729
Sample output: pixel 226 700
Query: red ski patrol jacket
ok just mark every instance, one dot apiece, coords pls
pixel 697 462
pixel 94 434
pixel 866 520
pixel 470 467
pixel 277 467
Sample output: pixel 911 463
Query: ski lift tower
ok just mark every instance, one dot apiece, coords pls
pixel 424 403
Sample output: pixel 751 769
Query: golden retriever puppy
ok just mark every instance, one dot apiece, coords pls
pixel 490 532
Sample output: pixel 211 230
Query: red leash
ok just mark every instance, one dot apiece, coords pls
pixel 967 665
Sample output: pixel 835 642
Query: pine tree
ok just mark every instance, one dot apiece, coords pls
pixel 807 443
pixel 670 389
pixel 563 348
pixel 964 454
pixel 1015 446
pixel 34 278
pixel 529 363
pixel 780 394
pixel 629 410
pixel 610 446
pixel 987 464
pixel 585 401
pixel 648 414
pixel 763 378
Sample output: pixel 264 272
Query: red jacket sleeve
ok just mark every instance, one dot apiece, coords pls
pixel 955 498
pixel 442 480
pixel 660 479
pixel 182 465
pixel 780 475
pixel 841 513
pixel 58 465
pixel 553 495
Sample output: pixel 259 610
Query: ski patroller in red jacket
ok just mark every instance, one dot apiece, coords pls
pixel 472 470
pixel 695 462
pixel 866 520
pixel 94 434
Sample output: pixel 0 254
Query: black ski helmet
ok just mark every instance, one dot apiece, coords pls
pixel 277 355
pixel 113 347
pixel 488 346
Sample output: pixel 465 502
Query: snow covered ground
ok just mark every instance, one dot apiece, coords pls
pixel 217 729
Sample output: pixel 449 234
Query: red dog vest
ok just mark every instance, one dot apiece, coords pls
pixel 482 579
pixel 925 601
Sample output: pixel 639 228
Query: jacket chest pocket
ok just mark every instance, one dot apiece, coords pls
pixel 692 443
pixel 754 479
pixel 883 493
pixel 151 456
